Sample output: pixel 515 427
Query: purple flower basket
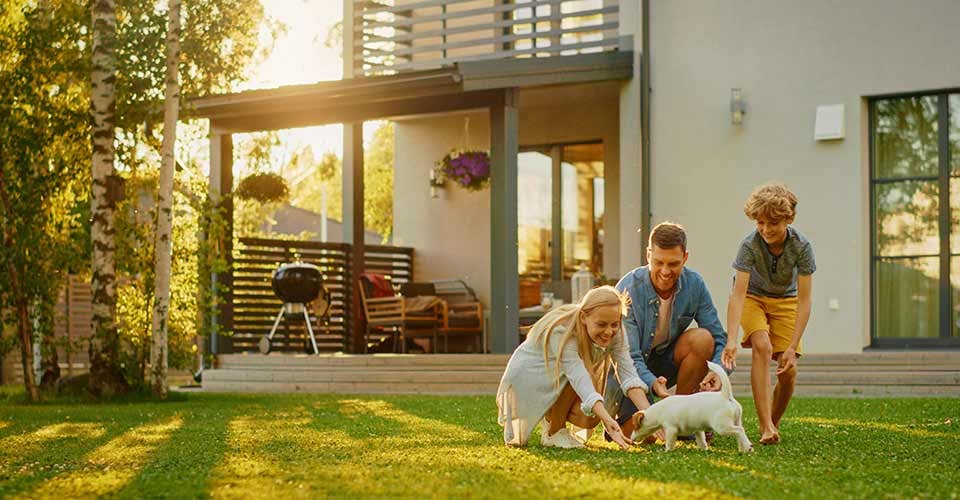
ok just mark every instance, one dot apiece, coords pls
pixel 468 169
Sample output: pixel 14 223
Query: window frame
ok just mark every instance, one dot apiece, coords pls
pixel 944 160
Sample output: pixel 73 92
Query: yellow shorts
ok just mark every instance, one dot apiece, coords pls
pixel 777 316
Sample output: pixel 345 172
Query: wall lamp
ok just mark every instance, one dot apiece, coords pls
pixel 437 181
pixel 738 107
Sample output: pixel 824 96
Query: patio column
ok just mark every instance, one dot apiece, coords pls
pixel 353 226
pixel 504 285
pixel 221 185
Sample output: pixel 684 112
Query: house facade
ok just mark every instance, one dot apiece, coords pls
pixel 888 272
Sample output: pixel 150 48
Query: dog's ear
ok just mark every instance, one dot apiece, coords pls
pixel 638 418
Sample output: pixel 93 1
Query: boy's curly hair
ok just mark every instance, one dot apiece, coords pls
pixel 772 201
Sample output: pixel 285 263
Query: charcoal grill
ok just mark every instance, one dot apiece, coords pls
pixel 297 284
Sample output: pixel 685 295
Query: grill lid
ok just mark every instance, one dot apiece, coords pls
pixel 297 282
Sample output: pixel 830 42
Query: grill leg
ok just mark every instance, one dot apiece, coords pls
pixel 313 340
pixel 276 323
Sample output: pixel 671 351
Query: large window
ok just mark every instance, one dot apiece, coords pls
pixel 560 211
pixel 915 199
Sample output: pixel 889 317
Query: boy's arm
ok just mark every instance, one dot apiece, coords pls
pixel 788 359
pixel 734 312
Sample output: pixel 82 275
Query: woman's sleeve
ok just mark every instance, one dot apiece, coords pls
pixel 572 366
pixel 626 371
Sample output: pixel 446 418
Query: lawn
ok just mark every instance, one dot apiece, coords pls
pixel 291 446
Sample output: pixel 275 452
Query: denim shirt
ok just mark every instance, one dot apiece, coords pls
pixel 691 302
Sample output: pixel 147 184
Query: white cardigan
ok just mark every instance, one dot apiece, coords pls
pixel 527 389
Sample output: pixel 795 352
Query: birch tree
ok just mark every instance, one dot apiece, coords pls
pixel 164 246
pixel 106 375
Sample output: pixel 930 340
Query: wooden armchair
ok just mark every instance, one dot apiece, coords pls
pixel 462 313
pixel 391 314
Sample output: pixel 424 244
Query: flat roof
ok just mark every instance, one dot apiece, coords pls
pixel 467 85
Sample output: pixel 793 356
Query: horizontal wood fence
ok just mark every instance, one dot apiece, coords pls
pixel 393 36
pixel 71 328
pixel 255 306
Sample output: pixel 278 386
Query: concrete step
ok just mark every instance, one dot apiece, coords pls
pixel 352 388
pixel 873 373
pixel 385 376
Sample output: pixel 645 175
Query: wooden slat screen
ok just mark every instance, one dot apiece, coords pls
pixel 255 306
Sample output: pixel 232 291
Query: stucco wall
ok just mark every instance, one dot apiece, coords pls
pixel 451 234
pixel 788 57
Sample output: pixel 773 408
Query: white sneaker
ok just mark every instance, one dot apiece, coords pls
pixel 560 439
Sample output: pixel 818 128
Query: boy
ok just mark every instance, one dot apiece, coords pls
pixel 771 301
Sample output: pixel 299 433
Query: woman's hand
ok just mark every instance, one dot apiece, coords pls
pixel 616 434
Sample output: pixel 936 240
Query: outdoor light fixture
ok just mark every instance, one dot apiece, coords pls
pixel 436 181
pixel 738 107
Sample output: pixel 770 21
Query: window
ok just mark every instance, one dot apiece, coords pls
pixel 560 213
pixel 915 219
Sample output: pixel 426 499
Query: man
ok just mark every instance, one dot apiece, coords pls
pixel 666 298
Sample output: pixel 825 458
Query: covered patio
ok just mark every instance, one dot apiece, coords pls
pixel 492 87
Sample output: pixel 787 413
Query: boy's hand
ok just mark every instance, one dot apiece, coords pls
pixel 660 387
pixel 729 357
pixel 787 361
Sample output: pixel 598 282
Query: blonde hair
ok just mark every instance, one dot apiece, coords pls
pixel 772 201
pixel 568 316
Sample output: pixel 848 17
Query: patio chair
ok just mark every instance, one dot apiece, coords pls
pixel 391 313
pixel 462 313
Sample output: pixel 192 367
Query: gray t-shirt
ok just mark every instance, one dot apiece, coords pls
pixel 772 276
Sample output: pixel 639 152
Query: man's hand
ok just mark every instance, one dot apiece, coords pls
pixel 710 383
pixel 787 361
pixel 729 356
pixel 660 387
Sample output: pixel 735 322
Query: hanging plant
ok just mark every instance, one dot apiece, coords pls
pixel 263 187
pixel 468 169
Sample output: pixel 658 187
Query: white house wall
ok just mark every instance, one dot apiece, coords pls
pixel 451 234
pixel 788 57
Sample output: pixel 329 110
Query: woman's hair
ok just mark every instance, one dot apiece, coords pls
pixel 568 316
pixel 772 201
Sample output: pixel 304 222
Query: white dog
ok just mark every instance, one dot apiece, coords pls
pixel 695 413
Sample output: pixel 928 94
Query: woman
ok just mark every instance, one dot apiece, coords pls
pixel 559 373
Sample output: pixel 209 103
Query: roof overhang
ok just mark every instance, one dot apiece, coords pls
pixel 466 85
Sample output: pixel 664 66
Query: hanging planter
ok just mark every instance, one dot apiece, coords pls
pixel 468 169
pixel 263 187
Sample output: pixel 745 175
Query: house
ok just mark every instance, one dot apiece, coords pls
pixel 606 117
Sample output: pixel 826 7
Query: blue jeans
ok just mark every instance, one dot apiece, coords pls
pixel 660 362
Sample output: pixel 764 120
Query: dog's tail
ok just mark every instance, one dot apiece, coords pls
pixel 725 388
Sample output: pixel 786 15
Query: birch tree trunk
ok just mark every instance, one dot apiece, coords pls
pixel 164 246
pixel 106 377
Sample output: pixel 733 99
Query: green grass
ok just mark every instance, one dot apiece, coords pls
pixel 292 446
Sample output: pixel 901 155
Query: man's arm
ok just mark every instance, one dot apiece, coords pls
pixel 707 318
pixel 633 333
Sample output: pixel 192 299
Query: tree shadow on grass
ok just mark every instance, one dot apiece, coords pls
pixel 46 449
pixel 181 466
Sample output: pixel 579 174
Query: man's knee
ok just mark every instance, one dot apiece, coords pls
pixel 697 342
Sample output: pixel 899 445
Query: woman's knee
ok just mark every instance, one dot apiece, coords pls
pixel 580 420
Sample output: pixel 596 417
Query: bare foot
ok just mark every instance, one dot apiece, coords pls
pixel 771 437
